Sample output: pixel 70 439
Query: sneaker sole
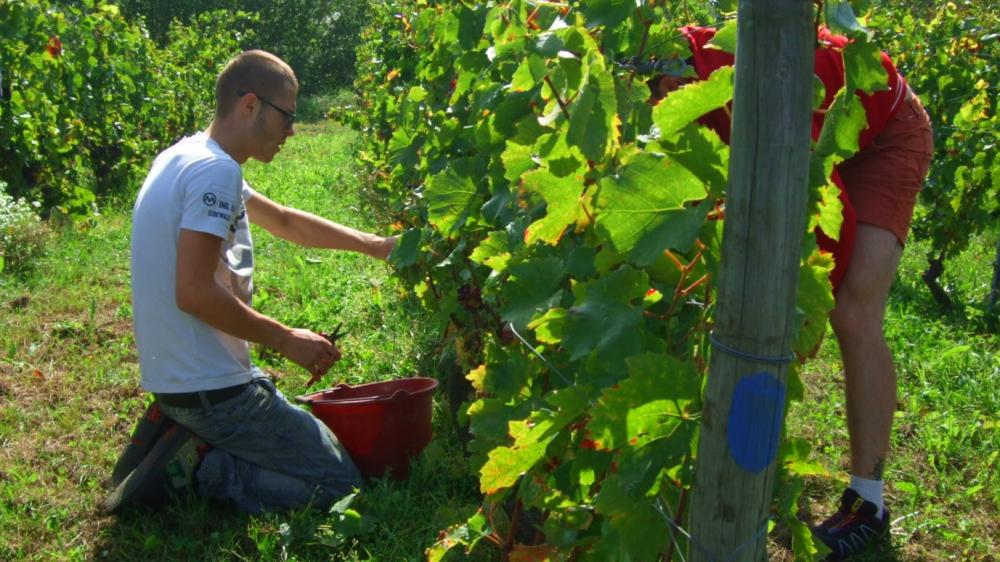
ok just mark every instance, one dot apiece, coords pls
pixel 152 425
pixel 147 483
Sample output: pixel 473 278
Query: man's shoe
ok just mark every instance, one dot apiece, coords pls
pixel 853 527
pixel 167 470
pixel 152 425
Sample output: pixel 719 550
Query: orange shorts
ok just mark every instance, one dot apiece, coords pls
pixel 883 180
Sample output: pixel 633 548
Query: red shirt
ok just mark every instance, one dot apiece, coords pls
pixel 829 67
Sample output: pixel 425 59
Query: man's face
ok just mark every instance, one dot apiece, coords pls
pixel 273 124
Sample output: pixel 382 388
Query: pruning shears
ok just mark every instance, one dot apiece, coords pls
pixel 338 332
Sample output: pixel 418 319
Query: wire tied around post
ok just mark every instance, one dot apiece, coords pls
pixel 729 350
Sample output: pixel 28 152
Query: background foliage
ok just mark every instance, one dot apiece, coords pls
pixel 948 52
pixel 86 97
pixel 316 37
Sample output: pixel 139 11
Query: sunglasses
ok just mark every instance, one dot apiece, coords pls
pixel 289 115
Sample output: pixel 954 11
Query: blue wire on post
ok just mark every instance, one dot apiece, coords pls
pixel 783 360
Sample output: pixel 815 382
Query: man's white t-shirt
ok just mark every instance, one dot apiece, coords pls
pixel 192 185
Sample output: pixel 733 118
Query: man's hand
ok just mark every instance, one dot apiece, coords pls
pixel 386 245
pixel 310 351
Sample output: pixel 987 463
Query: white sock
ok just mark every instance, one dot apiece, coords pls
pixel 870 490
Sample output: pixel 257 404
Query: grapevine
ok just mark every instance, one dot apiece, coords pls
pixel 564 229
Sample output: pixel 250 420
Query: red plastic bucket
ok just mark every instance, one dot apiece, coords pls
pixel 381 424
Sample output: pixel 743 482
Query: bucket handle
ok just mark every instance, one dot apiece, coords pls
pixel 400 394
pixel 305 399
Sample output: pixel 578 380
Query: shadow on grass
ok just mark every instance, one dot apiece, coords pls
pixel 185 529
pixel 391 520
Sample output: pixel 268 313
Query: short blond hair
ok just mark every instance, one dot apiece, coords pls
pixel 254 71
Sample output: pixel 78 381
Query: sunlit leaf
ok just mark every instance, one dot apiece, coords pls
pixel 647 404
pixel 494 251
pixel 563 205
pixel 451 197
pixel 647 197
pixel 692 101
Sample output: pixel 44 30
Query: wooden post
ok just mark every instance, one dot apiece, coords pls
pixel 754 327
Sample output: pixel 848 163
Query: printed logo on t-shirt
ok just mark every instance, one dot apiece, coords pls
pixel 225 208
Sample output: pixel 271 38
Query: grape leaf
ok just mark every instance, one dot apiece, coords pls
pixel 677 231
pixel 647 404
pixel 529 74
pixel 806 549
pixel 841 18
pixel 692 101
pixel 725 38
pixel 608 13
pixel 403 147
pixel 407 249
pixel 844 121
pixel 814 301
pixel 641 464
pixel 563 205
pixel 863 68
pixel 558 155
pixel 532 288
pixel 450 196
pixel 494 251
pixel 471 23
pixel 643 197
pixel 700 150
pixel 593 122
pixel 488 422
pixel 531 437
pixel 549 327
pixel 828 211
pixel 506 372
pixel 642 533
pixel 604 317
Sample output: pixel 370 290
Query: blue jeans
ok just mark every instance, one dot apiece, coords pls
pixel 267 453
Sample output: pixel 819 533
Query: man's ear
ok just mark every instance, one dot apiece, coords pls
pixel 246 103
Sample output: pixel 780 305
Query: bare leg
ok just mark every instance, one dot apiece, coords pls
pixel 857 321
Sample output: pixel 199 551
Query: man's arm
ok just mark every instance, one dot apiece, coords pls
pixel 199 294
pixel 309 230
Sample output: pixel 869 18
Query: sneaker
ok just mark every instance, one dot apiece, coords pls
pixel 853 527
pixel 167 470
pixel 150 428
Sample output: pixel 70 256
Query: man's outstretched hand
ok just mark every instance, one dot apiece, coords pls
pixel 385 246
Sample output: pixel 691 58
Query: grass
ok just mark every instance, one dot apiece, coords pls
pixel 69 396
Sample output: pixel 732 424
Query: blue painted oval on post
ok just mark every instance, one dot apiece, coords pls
pixel 755 417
